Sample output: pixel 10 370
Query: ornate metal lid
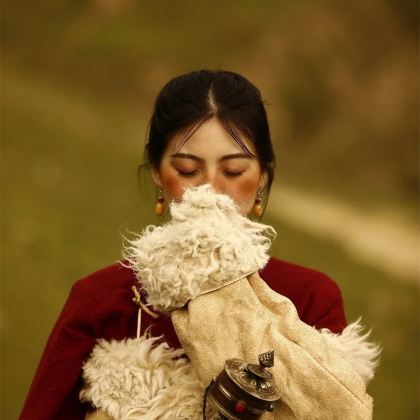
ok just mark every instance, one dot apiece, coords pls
pixel 256 380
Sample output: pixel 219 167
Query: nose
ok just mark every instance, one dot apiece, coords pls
pixel 215 180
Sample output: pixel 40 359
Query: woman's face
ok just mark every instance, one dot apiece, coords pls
pixel 211 156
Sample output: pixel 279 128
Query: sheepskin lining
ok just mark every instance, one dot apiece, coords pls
pixel 206 245
pixel 139 378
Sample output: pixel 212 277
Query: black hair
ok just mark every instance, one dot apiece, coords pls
pixel 187 101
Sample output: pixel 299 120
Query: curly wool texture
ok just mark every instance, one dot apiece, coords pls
pixel 137 379
pixel 354 346
pixel 207 245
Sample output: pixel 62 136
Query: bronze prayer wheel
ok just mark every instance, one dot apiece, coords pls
pixel 244 391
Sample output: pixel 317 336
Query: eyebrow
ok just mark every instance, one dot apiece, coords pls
pixel 199 159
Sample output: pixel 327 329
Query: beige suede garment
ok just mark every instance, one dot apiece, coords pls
pixel 206 246
pixel 247 318
pixel 98 415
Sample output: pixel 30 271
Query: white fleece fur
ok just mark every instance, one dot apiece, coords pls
pixel 207 245
pixel 354 346
pixel 139 379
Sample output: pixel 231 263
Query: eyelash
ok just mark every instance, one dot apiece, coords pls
pixel 233 174
pixel 187 174
pixel 193 173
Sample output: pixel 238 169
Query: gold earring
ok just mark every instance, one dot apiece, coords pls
pixel 160 204
pixel 258 209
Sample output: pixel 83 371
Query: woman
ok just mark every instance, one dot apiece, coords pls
pixel 207 127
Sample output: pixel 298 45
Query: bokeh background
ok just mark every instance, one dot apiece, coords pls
pixel 340 79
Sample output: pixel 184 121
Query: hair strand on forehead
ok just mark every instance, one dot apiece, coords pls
pixel 233 132
pixel 185 135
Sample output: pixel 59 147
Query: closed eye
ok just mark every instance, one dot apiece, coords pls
pixel 232 174
pixel 187 173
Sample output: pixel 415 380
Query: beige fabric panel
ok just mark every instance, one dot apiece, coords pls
pixel 247 318
pixel 98 415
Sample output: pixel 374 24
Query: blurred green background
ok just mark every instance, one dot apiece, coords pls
pixel 340 79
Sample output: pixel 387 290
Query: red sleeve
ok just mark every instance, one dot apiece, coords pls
pixel 327 312
pixel 54 393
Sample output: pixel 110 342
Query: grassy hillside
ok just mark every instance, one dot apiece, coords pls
pixel 78 81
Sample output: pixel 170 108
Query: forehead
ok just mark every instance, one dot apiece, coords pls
pixel 209 139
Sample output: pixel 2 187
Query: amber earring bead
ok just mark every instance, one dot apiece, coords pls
pixel 160 206
pixel 257 210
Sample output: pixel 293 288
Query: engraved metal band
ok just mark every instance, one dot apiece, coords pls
pixel 230 397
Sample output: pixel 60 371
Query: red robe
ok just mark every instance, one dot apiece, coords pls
pixel 100 306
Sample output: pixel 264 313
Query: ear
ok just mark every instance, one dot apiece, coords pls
pixel 263 180
pixel 156 177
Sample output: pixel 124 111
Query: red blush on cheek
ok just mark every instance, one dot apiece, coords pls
pixel 248 186
pixel 243 190
pixel 173 186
